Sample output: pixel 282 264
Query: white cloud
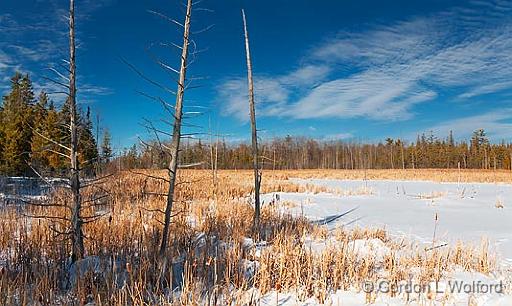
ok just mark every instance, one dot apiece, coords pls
pixel 272 93
pixel 306 75
pixel 497 124
pixel 396 67
pixel 4 61
pixel 41 42
pixel 338 136
pixel 369 94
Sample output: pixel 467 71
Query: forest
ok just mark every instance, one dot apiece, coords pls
pixel 29 126
pixel 30 129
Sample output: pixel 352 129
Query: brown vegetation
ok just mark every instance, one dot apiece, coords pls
pixel 210 256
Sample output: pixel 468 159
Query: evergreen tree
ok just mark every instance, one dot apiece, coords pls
pixel 87 147
pixel 17 124
pixel 106 147
pixel 39 143
pixel 130 157
pixel 51 127
pixel 64 118
pixel 45 153
pixel 479 149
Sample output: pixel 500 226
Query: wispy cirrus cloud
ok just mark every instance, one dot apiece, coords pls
pixel 34 43
pixel 496 123
pixel 338 136
pixel 272 92
pixel 394 67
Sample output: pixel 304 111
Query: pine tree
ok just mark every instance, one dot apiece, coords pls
pixel 51 127
pixel 87 144
pixel 45 153
pixel 87 148
pixel 17 124
pixel 64 118
pixel 478 149
pixel 106 147
pixel 39 143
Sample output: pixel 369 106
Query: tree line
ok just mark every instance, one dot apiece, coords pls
pixel 428 151
pixel 31 130
pixel 29 127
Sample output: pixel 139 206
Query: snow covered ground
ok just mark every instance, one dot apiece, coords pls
pixel 467 212
pixel 17 190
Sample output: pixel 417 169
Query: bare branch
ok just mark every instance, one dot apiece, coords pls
pixel 163 148
pixel 90 219
pixel 45 217
pixel 51 140
pixel 56 82
pixel 153 210
pixel 59 74
pixel 98 198
pixel 202 9
pixel 204 29
pixel 168 107
pixel 41 177
pixel 157 130
pixel 150 176
pixel 190 165
pixel 57 152
pixel 166 18
pixel 58 93
pixel 171 44
pixel 164 88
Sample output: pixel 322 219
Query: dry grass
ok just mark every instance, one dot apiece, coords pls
pixel 438 175
pixel 208 257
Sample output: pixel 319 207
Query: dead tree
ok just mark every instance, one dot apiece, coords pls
pixel 256 166
pixel 77 238
pixel 71 225
pixel 176 133
pixel 177 113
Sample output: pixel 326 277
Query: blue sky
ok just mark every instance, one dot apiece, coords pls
pixel 356 70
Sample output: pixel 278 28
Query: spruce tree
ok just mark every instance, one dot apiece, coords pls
pixel 106 147
pixel 17 124
pixel 45 152
pixel 51 127
pixel 87 148
pixel 39 142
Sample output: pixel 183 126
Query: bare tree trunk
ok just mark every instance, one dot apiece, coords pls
pixel 336 166
pixel 391 155
pixel 257 174
pixel 77 238
pixel 176 135
pixel 274 159
pixel 403 158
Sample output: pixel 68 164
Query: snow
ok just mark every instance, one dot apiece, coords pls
pixel 423 211
pixel 361 248
pixel 353 298
pixel 465 211
pixel 345 298
pixel 462 288
pixel 19 190
pixel 431 213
